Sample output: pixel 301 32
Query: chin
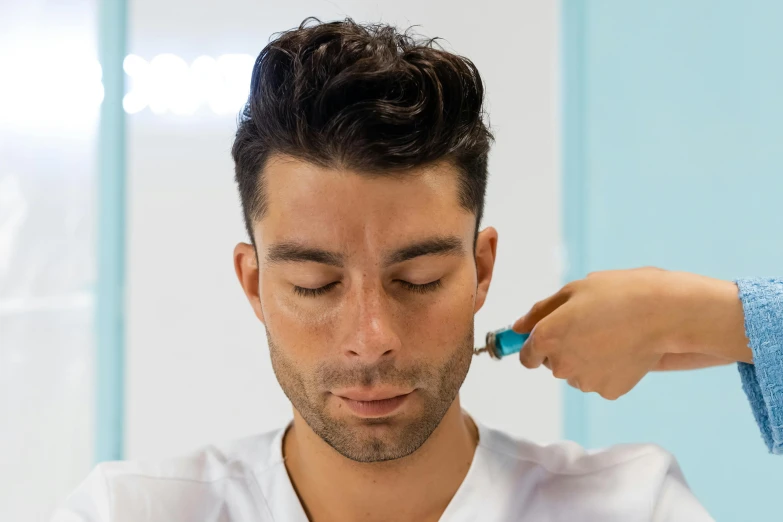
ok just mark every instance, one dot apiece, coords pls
pixel 377 439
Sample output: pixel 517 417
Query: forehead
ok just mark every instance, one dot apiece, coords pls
pixel 313 202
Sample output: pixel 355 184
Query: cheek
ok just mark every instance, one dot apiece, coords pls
pixel 446 320
pixel 302 333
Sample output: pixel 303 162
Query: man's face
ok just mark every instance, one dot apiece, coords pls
pixel 367 287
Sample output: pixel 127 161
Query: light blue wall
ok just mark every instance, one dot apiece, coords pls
pixel 673 140
pixel 110 291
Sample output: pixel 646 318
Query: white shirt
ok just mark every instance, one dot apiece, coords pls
pixel 508 480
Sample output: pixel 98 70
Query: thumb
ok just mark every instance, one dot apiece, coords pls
pixel 529 356
pixel 542 309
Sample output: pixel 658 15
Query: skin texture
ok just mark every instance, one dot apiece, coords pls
pixel 400 282
pixel 604 333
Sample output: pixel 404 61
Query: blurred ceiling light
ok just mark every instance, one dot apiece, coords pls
pixel 45 88
pixel 62 89
pixel 167 84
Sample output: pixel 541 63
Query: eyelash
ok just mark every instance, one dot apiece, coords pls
pixel 418 289
pixel 313 292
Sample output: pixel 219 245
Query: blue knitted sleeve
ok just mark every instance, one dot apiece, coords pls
pixel 762 301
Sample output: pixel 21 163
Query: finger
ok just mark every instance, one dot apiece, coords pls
pixel 623 382
pixel 542 309
pixel 529 355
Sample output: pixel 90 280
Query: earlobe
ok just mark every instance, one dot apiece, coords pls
pixel 246 268
pixel 486 250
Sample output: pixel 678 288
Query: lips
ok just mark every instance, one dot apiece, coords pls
pixel 373 403
pixel 365 395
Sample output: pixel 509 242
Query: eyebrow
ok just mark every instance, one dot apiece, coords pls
pixel 293 252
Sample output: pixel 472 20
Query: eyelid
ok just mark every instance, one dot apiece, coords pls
pixel 314 292
pixel 412 287
pixel 422 288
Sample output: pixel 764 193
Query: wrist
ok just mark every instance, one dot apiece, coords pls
pixel 712 320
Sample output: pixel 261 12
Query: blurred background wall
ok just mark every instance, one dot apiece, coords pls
pixel 50 93
pixel 628 134
pixel 672 137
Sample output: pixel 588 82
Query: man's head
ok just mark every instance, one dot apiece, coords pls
pixel 361 160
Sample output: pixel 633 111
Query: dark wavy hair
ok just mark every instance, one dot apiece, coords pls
pixel 361 97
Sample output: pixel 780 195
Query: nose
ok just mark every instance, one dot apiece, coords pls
pixel 371 334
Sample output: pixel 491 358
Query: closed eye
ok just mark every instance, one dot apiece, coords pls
pixel 411 287
pixel 421 289
pixel 314 292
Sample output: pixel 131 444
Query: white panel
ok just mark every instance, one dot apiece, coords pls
pixel 49 97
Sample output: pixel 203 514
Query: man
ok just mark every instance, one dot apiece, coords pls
pixel 361 161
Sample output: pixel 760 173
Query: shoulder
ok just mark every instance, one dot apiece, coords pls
pixel 203 479
pixel 206 464
pixel 569 458
pixel 632 481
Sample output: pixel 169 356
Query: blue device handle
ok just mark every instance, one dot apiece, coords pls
pixel 508 341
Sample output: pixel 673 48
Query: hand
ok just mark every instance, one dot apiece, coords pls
pixel 604 333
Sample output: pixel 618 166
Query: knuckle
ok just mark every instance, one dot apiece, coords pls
pixel 545 337
pixel 560 370
pixel 536 309
pixel 574 383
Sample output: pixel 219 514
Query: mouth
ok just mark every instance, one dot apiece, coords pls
pixel 373 404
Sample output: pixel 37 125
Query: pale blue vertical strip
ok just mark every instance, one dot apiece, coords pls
pixel 110 291
pixel 573 180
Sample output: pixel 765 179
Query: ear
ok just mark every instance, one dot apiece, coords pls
pixel 486 249
pixel 246 267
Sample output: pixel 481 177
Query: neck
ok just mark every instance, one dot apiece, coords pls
pixel 420 486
